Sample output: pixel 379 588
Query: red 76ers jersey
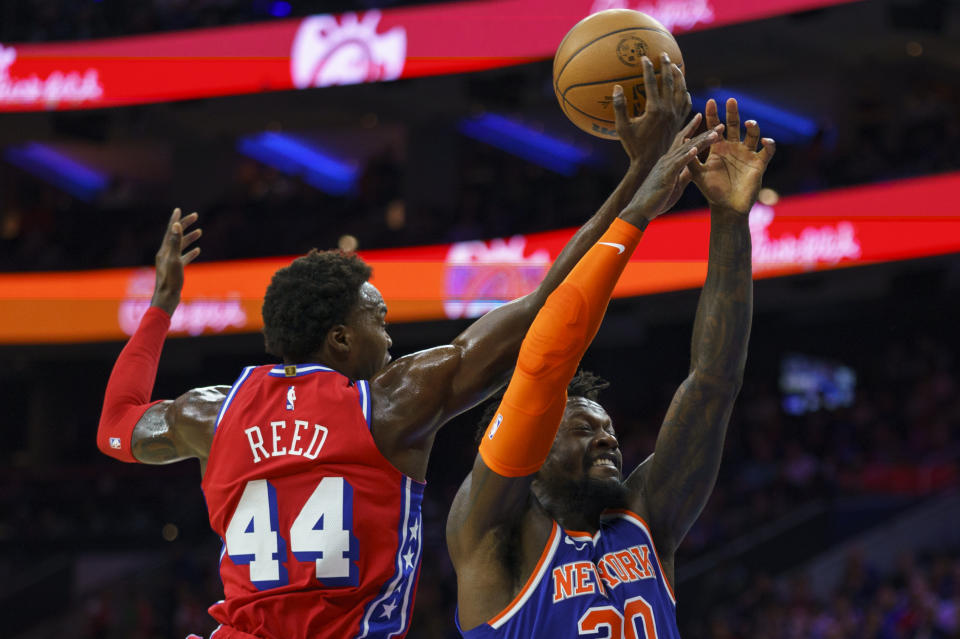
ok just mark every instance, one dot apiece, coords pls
pixel 321 535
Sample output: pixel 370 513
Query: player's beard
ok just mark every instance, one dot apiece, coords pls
pixel 590 494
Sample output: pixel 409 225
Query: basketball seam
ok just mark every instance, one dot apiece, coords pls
pixel 564 101
pixel 556 80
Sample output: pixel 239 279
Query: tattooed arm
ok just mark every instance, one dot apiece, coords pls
pixel 672 486
pixel 172 431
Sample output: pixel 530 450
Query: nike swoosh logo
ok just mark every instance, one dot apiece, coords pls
pixel 620 247
pixel 579 546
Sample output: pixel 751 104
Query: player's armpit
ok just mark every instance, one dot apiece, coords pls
pixel 485 503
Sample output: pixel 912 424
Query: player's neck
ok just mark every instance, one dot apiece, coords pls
pixel 571 516
pixel 323 359
pixel 578 504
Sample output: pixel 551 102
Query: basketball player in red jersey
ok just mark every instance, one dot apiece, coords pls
pixel 546 537
pixel 312 474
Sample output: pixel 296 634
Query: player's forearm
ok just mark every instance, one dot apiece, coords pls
pixel 591 231
pixel 684 467
pixel 722 326
pixel 519 439
pixel 128 391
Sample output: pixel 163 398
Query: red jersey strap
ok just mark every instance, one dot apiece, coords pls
pixel 131 384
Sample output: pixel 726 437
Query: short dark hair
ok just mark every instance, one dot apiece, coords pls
pixel 308 298
pixel 584 384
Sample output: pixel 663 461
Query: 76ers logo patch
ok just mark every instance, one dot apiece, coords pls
pixel 630 50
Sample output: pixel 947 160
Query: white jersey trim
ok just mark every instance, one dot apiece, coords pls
pixel 545 564
pixel 639 523
pixel 280 371
pixel 230 395
pixel 391 589
pixel 364 387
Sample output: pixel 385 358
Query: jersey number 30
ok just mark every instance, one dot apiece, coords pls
pixel 636 612
pixel 321 533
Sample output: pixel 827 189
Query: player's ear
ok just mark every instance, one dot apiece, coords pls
pixel 339 339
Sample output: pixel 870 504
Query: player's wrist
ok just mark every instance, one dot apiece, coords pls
pixel 728 213
pixel 636 216
pixel 165 302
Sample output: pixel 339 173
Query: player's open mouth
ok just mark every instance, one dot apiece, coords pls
pixel 606 465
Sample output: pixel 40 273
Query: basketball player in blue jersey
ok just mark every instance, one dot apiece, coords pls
pixel 547 537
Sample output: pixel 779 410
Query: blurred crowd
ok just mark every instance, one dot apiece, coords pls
pixel 496 194
pixel 919 600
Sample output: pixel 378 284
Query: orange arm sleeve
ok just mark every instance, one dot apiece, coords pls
pixel 519 438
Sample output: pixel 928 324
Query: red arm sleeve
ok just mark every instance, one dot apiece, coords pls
pixel 131 384
pixel 519 438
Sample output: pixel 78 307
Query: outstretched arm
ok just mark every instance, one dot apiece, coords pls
pixel 131 427
pixel 419 393
pixel 673 485
pixel 519 438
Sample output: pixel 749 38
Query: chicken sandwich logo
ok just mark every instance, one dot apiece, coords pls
pixel 330 50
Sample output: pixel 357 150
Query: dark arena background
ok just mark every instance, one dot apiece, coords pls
pixel 417 134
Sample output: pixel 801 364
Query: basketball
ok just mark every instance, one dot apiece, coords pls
pixel 603 50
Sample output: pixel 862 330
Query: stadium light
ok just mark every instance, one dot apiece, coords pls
pixel 522 141
pixel 57 169
pixel 295 156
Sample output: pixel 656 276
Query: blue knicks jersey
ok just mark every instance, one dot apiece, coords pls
pixel 606 586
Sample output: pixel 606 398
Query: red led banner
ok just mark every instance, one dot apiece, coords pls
pixel 834 229
pixel 326 50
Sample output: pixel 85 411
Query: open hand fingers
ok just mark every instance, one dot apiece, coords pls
pixel 686 152
pixel 186 222
pixel 175 242
pixel 192 255
pixel 650 81
pixel 733 121
pixel 190 238
pixel 703 141
pixel 752 136
pixel 710 113
pixel 666 75
pixel 620 117
pixel 174 217
pixel 687 131
pixel 674 84
pixel 174 230
pixel 174 233
pixel 769 148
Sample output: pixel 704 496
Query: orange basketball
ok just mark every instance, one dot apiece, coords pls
pixel 603 50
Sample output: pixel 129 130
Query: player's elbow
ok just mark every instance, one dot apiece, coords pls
pixel 723 384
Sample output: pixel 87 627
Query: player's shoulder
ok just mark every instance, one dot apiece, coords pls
pixel 429 364
pixel 198 407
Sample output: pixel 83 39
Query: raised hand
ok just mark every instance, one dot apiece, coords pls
pixel 171 259
pixel 646 137
pixel 731 176
pixel 670 175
